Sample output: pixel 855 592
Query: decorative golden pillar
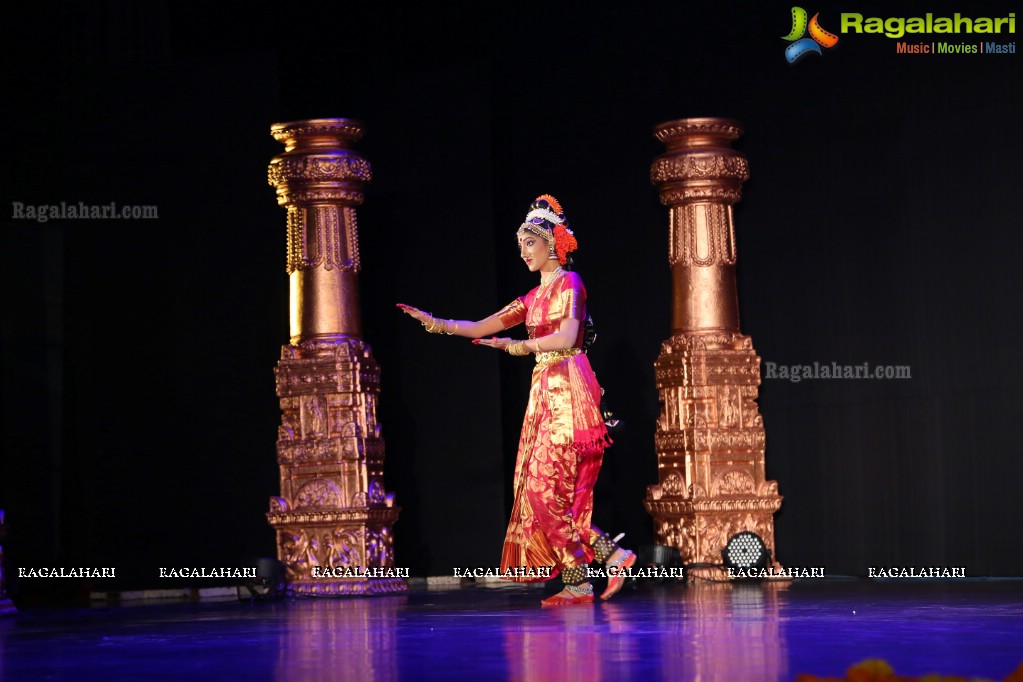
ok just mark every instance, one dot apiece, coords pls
pixel 710 436
pixel 333 518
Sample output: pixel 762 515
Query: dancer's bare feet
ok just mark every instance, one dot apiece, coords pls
pixel 572 594
pixel 618 565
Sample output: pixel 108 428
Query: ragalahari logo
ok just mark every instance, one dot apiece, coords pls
pixel 802 46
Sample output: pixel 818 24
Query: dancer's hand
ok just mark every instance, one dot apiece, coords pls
pixel 494 342
pixel 432 324
pixel 423 317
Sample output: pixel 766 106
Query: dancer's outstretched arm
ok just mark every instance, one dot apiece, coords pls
pixel 471 330
pixel 562 339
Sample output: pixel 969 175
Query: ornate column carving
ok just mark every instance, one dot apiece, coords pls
pixel 333 516
pixel 710 436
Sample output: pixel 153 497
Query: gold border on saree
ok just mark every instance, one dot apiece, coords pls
pixel 549 357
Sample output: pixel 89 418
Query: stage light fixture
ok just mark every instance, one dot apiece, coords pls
pixel 269 582
pixel 659 556
pixel 746 550
pixel 662 555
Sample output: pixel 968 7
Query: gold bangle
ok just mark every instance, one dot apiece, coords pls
pixel 517 348
pixel 538 348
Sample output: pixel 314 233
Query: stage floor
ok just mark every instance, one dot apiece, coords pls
pixel 705 632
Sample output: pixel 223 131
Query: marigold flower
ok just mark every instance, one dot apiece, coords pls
pixel 564 243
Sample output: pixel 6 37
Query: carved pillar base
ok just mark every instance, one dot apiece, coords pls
pixel 333 517
pixel 350 549
pixel 710 444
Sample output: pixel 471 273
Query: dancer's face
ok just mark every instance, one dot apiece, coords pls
pixel 533 251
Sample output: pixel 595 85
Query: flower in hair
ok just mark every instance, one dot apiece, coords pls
pixel 552 202
pixel 564 243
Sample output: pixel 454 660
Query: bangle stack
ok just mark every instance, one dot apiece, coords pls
pixel 521 347
pixel 517 348
pixel 439 326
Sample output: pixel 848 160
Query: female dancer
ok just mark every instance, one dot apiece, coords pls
pixel 563 434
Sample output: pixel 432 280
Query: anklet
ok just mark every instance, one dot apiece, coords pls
pixel 584 590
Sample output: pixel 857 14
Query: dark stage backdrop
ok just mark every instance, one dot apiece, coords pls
pixel 880 225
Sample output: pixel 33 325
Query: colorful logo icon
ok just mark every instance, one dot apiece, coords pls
pixel 801 46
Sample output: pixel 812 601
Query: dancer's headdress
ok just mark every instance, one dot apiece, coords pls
pixel 546 219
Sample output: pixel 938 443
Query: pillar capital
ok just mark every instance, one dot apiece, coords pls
pixel 699 178
pixel 699 164
pixel 319 164
pixel 320 179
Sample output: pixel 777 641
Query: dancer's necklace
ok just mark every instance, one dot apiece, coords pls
pixel 548 277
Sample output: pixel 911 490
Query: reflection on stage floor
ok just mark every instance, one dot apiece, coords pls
pixel 705 632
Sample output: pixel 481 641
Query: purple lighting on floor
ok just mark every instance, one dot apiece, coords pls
pixel 761 631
